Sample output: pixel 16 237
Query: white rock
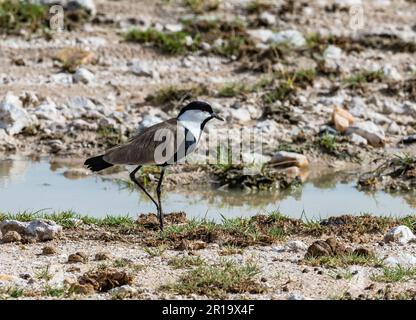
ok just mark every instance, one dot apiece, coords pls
pixel 140 68
pixel 402 259
pixel 337 100
pixel 409 108
pixel 80 104
pixel 218 43
pixel 62 78
pixel 394 128
pixel 48 111
pixel 400 234
pixel 269 127
pixel 43 230
pixel 263 35
pixel 348 3
pixel 80 124
pixel 148 121
pixel 40 230
pixel 83 75
pixel 358 140
pixel 173 27
pixel 332 53
pixel 242 115
pixel 392 73
pixel 358 107
pixel 390 107
pixel 13 118
pixel 296 245
pixel 124 290
pixel 370 131
pixel 189 41
pixel 205 46
pixel 292 37
pixel 268 18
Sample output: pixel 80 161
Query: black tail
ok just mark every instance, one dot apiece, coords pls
pixel 97 163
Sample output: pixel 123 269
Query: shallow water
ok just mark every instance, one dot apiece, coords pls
pixel 39 185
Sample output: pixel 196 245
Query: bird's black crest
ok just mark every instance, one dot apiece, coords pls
pixel 197 105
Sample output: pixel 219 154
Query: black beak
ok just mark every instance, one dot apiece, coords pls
pixel 216 116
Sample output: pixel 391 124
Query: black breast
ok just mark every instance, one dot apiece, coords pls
pixel 189 142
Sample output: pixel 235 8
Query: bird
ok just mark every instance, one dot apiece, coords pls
pixel 163 144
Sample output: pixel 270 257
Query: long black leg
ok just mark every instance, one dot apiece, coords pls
pixel 158 193
pixel 133 178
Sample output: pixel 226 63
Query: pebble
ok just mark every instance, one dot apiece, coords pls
pixel 77 257
pixel 36 230
pixel 267 18
pixel 13 118
pixel 370 131
pixel 83 75
pixel 11 236
pixel 400 234
pixel 49 250
pixel 292 37
pixel 289 159
pixel 296 245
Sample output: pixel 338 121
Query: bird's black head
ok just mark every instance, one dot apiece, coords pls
pixel 198 111
pixel 197 105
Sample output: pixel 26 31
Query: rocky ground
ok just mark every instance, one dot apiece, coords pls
pixel 266 257
pixel 333 82
pixel 299 72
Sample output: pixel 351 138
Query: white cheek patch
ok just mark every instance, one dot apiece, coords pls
pixel 192 120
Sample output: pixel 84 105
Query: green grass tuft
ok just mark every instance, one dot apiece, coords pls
pixel 16 15
pixel 358 80
pixel 186 262
pixel 216 281
pixel 173 43
pixel 395 274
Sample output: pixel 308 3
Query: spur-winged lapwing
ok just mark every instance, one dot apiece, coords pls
pixel 162 144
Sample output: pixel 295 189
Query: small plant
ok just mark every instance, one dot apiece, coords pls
pixel 201 6
pixel 304 77
pixel 230 250
pixel 53 291
pixel 16 15
pixel 216 281
pixel 44 274
pixel 233 46
pixel 168 42
pixel 156 251
pixel 233 90
pixel 186 262
pixel 328 143
pixel 282 92
pixel 343 261
pixel 175 95
pixel 258 6
pixel 117 221
pixel 395 274
pixel 346 275
pixel 15 292
pixel 358 80
pixel 277 232
pixel 121 263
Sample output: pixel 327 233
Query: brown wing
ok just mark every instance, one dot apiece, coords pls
pixel 141 148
